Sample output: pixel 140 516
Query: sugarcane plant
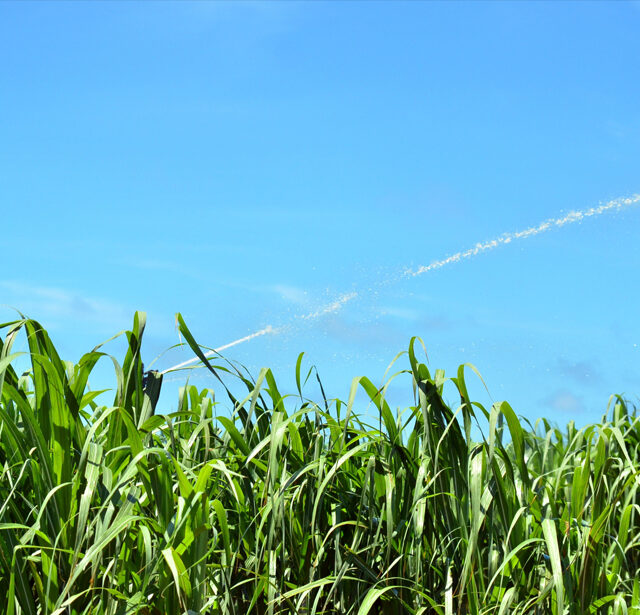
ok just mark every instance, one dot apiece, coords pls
pixel 272 503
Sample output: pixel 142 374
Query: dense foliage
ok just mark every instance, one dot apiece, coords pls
pixel 289 506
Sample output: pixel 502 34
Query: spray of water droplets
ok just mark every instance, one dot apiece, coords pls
pixel 242 340
pixel 332 307
pixel 547 225
pixel 507 238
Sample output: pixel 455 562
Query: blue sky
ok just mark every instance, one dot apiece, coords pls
pixel 246 164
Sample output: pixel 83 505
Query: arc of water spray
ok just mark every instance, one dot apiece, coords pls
pixel 242 340
pixel 506 238
pixel 328 309
pixel 570 218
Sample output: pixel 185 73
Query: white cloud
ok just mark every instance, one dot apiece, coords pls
pixel 55 306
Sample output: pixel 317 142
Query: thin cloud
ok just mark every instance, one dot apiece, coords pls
pixel 564 401
pixel 367 333
pixel 401 313
pixel 158 265
pixel 581 372
pixel 291 294
pixel 287 292
pixel 420 320
pixel 54 305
